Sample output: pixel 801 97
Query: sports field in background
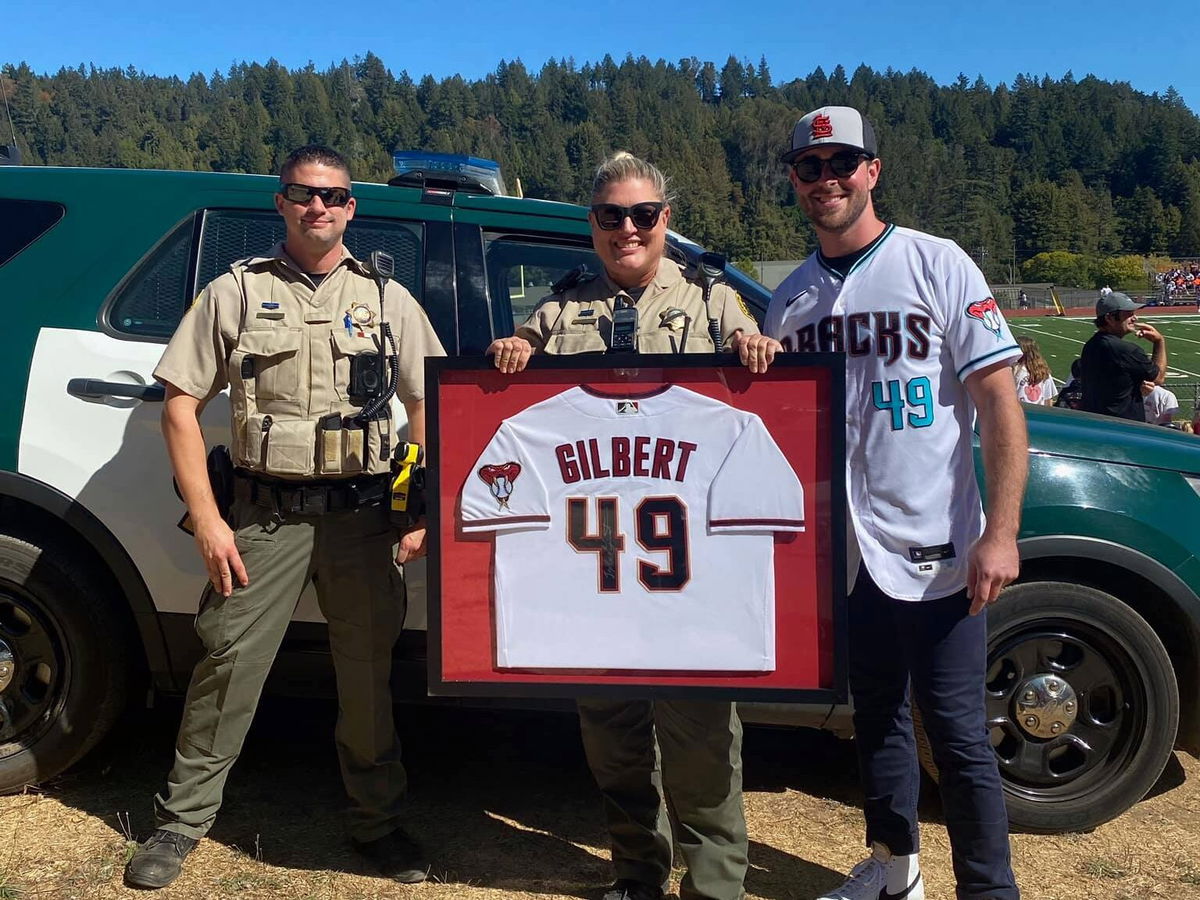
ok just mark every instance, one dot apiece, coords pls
pixel 1061 339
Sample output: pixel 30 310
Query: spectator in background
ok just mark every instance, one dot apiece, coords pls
pixel 1022 300
pixel 1032 375
pixel 1161 405
pixel 1112 368
pixel 1071 395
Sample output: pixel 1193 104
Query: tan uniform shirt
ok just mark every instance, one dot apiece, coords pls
pixel 579 320
pixel 284 349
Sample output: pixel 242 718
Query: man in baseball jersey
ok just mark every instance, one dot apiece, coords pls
pixel 927 352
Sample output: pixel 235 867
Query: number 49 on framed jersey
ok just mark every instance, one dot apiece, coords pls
pixel 637 526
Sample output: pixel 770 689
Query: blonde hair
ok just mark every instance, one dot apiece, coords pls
pixel 1031 356
pixel 624 166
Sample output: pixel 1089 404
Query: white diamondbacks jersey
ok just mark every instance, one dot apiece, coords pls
pixel 915 318
pixel 634 533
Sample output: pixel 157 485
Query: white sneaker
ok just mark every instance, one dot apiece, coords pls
pixel 882 876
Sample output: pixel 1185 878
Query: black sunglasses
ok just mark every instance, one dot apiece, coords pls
pixel 610 216
pixel 842 164
pixel 302 193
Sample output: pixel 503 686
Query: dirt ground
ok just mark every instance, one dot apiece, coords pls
pixel 504 804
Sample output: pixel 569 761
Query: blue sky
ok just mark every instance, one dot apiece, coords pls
pixel 1150 46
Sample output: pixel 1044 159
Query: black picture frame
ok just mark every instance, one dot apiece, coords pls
pixel 611 365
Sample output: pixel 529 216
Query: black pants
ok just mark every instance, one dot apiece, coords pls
pixel 941 650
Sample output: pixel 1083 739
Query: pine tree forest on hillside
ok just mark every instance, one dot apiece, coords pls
pixel 1089 167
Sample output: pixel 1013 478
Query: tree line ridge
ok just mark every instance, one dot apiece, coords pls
pixel 1010 171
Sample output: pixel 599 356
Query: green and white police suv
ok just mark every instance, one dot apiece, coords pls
pixel 98 588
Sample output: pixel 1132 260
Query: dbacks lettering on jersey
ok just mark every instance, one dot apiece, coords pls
pixel 623 457
pixel 988 313
pixel 864 334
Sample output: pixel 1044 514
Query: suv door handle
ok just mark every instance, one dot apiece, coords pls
pixel 94 387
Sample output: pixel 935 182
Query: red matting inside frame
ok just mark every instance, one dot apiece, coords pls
pixel 794 404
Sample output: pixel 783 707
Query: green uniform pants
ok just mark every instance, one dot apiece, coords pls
pixel 688 752
pixel 361 594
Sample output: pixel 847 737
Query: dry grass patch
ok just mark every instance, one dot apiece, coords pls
pixel 505 806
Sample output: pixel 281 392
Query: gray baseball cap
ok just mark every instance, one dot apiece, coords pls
pixel 832 125
pixel 1115 301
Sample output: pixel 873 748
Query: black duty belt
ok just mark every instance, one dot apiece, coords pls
pixel 311 498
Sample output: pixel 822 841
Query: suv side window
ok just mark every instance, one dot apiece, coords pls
pixel 24 222
pixel 154 298
pixel 521 268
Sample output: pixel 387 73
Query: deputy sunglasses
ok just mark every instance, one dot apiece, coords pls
pixel 842 164
pixel 302 193
pixel 610 216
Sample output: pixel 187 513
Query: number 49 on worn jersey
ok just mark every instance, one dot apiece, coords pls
pixel 634 533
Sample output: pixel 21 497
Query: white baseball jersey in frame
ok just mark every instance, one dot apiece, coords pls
pixel 915 318
pixel 634 533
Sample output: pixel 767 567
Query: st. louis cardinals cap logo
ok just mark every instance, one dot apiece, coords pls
pixel 500 480
pixel 987 312
pixel 822 127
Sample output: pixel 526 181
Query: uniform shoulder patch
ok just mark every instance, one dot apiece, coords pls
pixel 987 313
pixel 743 306
pixel 501 479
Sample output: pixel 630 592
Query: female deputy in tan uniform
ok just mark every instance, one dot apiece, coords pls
pixel 700 742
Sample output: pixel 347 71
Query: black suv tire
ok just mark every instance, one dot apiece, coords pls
pixel 69 672
pixel 1082 702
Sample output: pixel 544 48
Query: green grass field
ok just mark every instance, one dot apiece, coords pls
pixel 1061 339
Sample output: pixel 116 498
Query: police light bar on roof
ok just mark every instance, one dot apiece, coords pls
pixel 417 168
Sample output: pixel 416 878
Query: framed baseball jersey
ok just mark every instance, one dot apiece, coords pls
pixel 659 530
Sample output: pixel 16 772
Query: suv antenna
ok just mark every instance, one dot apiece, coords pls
pixel 9 155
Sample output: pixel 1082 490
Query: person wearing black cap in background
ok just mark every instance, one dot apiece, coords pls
pixel 1113 369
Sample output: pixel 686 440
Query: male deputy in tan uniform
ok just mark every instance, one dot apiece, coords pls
pixel 311 500
pixel 699 741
